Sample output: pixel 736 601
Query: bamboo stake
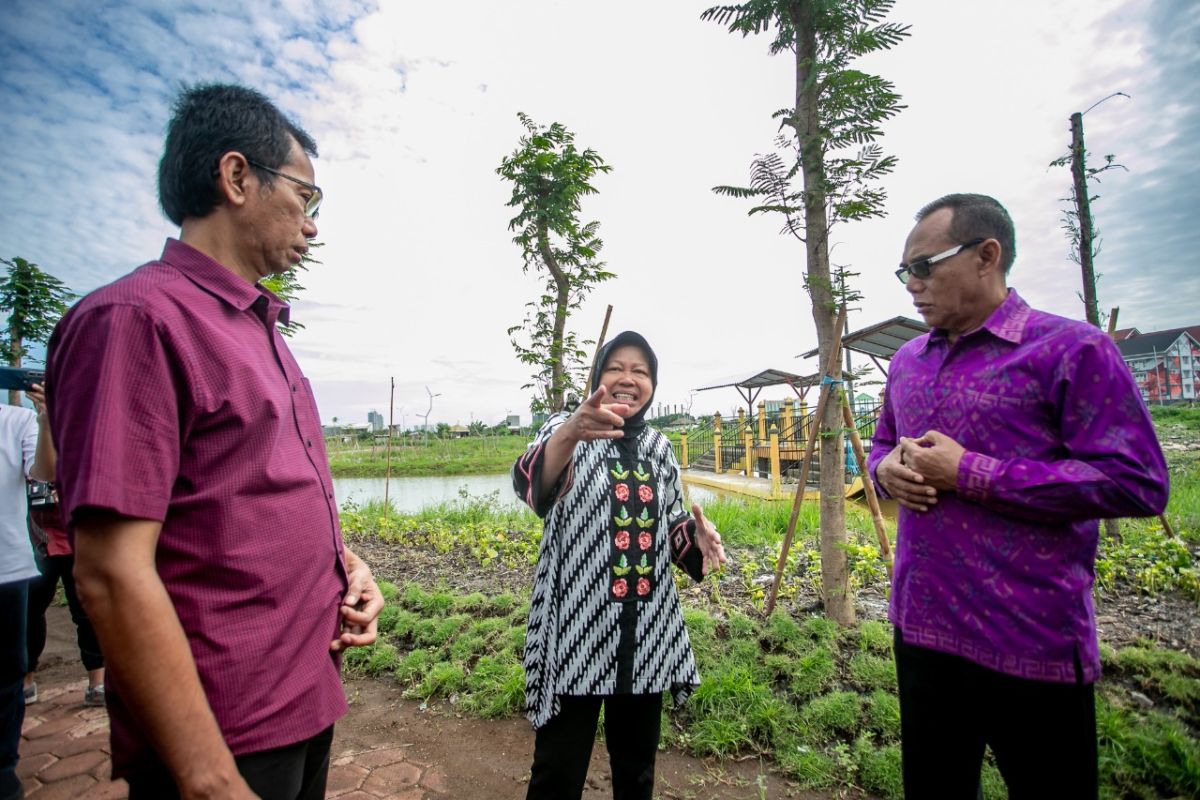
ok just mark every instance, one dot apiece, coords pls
pixel 885 547
pixel 596 355
pixel 832 368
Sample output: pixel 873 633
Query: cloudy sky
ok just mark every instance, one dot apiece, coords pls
pixel 414 104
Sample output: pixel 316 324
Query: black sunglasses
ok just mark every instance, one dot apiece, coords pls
pixel 922 267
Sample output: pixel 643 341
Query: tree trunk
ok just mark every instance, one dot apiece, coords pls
pixel 554 396
pixel 839 604
pixel 14 360
pixel 1084 211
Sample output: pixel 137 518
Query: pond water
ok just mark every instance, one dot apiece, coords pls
pixel 413 494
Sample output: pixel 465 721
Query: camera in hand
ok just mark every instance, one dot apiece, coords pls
pixel 20 378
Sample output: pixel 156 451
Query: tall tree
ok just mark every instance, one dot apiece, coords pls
pixel 35 301
pixel 824 170
pixel 549 177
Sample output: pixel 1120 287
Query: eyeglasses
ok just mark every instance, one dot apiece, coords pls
pixel 922 267
pixel 313 203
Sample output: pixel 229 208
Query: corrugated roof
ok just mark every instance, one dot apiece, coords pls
pixel 881 340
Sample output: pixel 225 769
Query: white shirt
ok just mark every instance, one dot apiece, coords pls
pixel 18 442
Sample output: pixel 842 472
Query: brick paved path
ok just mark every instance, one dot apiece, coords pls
pixel 65 756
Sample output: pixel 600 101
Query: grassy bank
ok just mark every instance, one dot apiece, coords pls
pixel 487 455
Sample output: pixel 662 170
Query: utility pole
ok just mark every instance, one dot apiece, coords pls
pixel 387 479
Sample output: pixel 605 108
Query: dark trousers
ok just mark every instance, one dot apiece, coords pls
pixel 1043 734
pixel 295 772
pixel 563 746
pixel 14 598
pixel 41 593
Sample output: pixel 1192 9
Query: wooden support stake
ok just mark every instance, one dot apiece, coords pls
pixel 885 547
pixel 833 367
pixel 599 343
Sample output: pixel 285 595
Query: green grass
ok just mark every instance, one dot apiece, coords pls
pixel 487 455
pixel 818 701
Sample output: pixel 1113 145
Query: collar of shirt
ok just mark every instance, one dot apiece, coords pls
pixel 1007 322
pixel 221 282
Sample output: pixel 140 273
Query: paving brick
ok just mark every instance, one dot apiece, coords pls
pixel 434 780
pixel 89 727
pixel 30 722
pixel 50 728
pixel 69 745
pixel 108 790
pixel 356 795
pixel 344 779
pixel 70 789
pixel 392 778
pixel 92 712
pixel 380 758
pixel 32 747
pixel 414 793
pixel 27 767
pixel 78 764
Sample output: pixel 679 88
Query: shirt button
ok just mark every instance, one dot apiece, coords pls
pixel 309 442
pixel 293 387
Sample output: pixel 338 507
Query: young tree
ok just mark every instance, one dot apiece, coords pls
pixel 824 170
pixel 286 285
pixel 549 177
pixel 35 301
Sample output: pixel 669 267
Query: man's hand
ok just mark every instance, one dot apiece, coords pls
pixel 935 457
pixel 37 395
pixel 360 607
pixel 595 419
pixel 909 488
pixel 709 542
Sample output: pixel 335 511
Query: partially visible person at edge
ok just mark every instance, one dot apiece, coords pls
pixel 193 472
pixel 1005 434
pixel 55 561
pixel 605 624
pixel 25 447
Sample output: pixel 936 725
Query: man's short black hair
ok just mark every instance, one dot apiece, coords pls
pixel 209 121
pixel 977 216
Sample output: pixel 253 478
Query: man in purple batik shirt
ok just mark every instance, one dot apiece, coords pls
pixel 1006 433
pixel 193 473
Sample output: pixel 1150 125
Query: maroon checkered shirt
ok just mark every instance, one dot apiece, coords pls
pixel 174 398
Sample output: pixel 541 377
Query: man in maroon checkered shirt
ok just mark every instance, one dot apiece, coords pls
pixel 193 470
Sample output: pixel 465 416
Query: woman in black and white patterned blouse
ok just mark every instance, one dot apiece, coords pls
pixel 605 624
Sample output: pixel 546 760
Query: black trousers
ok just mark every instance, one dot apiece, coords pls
pixel 295 772
pixel 1043 734
pixel 563 746
pixel 41 593
pixel 13 665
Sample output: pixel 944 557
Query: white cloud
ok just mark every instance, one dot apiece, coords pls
pixel 414 104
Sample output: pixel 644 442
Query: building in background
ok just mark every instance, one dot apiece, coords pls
pixel 375 421
pixel 1164 364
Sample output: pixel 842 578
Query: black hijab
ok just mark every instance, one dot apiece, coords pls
pixel 637 423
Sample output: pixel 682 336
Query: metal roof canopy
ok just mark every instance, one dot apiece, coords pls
pixel 881 340
pixel 749 388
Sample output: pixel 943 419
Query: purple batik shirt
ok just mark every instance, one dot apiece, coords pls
pixel 175 399
pixel 1000 571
